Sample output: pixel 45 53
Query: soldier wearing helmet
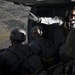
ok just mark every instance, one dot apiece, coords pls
pixel 43 47
pixel 11 58
pixel 37 35
pixel 18 35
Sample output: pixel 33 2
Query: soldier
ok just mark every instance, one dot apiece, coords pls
pixel 43 47
pixel 11 58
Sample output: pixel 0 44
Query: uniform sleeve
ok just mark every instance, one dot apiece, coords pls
pixel 50 20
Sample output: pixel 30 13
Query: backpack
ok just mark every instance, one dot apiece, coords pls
pixel 29 64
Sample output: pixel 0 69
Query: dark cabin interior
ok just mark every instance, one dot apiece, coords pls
pixel 53 32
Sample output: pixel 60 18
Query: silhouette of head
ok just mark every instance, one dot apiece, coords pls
pixel 37 31
pixel 18 35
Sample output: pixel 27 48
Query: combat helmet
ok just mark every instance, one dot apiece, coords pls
pixel 18 34
pixel 38 29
